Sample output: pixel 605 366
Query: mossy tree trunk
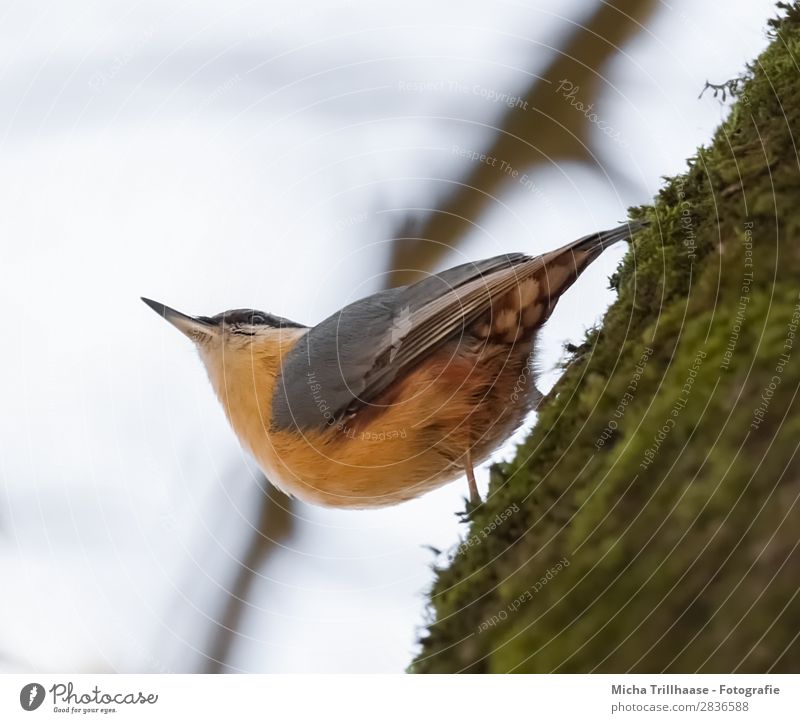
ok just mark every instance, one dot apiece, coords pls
pixel 651 522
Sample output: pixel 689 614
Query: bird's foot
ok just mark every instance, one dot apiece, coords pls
pixel 474 496
pixel 471 504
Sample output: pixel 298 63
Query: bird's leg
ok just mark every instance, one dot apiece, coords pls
pixel 474 496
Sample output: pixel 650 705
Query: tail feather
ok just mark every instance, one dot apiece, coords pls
pixel 563 266
pixel 603 239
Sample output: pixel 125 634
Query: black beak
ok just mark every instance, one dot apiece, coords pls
pixel 197 328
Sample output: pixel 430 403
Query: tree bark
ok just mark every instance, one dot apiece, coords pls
pixel 651 521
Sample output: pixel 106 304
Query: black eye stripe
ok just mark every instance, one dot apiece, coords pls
pixel 237 318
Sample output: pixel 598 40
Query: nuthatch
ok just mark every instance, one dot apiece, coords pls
pixel 398 393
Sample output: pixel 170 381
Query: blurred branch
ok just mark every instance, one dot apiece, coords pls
pixel 549 129
pixel 275 523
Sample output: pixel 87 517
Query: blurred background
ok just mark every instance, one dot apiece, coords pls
pixel 291 157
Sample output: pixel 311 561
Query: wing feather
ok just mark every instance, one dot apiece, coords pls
pixel 354 355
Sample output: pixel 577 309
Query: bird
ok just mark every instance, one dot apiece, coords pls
pixel 395 394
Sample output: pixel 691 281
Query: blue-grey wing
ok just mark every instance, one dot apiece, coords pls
pixel 352 356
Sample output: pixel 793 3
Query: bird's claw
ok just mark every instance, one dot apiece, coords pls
pixel 470 506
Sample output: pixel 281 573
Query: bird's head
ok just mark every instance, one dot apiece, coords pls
pixel 232 341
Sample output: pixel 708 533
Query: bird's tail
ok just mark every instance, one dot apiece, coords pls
pixel 603 239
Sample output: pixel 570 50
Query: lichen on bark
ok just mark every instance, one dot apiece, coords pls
pixel 651 521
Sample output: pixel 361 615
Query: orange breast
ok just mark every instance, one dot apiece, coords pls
pixel 414 438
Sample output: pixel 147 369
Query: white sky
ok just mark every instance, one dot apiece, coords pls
pixel 219 155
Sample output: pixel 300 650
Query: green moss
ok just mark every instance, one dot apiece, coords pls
pixel 687 562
